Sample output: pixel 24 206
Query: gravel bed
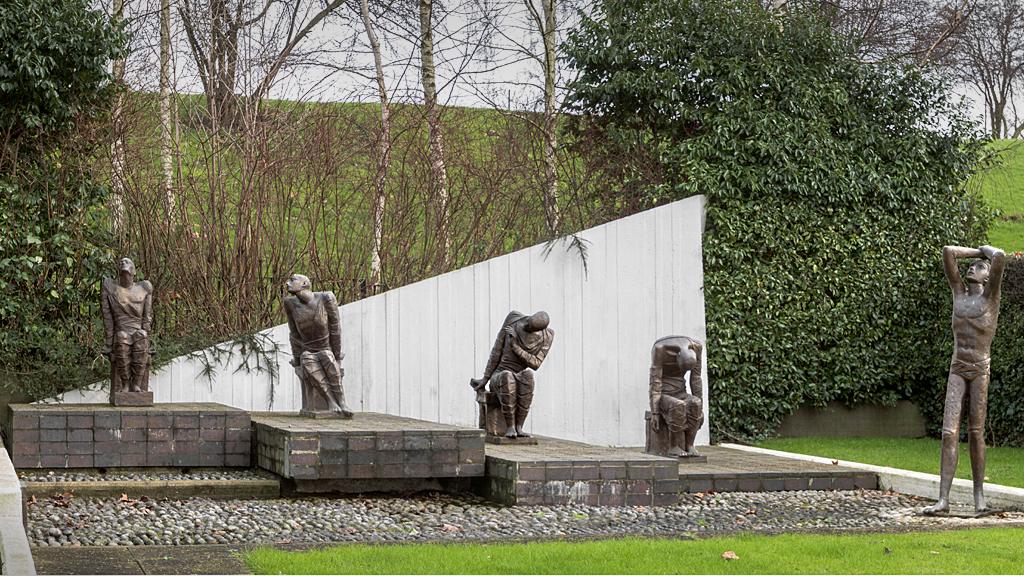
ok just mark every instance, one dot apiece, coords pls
pixel 129 476
pixel 126 522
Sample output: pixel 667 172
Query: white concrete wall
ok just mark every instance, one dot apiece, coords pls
pixel 15 553
pixel 411 351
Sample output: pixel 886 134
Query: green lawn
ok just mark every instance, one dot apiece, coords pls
pixel 978 551
pixel 1004 465
pixel 1002 187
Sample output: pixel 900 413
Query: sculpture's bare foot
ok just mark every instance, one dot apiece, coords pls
pixel 520 433
pixel 691 453
pixel 511 432
pixel 979 502
pixel 676 452
pixel 341 408
pixel 940 507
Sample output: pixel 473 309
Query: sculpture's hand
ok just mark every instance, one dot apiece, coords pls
pixel 988 251
pixel 655 422
pixel 510 330
pixel 294 361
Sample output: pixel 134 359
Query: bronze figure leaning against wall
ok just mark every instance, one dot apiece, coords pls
pixel 314 330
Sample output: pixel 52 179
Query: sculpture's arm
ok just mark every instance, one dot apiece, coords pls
pixel 293 335
pixel 655 390
pixel 147 306
pixel 108 317
pixel 696 380
pixel 534 360
pixel 334 324
pixel 495 357
pixel 949 256
pixel 995 274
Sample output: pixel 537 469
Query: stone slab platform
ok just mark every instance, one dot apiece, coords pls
pixel 732 470
pixel 370 446
pixel 562 472
pixel 103 436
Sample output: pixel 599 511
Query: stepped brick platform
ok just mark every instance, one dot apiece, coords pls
pixel 105 436
pixel 365 450
pixel 730 470
pixel 562 472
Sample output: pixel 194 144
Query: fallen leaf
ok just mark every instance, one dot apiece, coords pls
pixel 751 512
pixel 32 501
pixel 835 462
pixel 730 555
pixel 450 528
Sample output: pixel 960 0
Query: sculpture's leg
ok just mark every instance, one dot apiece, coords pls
pixel 524 398
pixel 976 437
pixel 314 382
pixel 122 354
pixel 506 384
pixel 955 388
pixel 336 394
pixel 673 410
pixel 694 420
pixel 140 364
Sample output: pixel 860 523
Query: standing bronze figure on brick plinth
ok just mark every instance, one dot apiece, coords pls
pixel 127 308
pixel 314 330
pixel 975 312
pixel 676 415
pixel 521 346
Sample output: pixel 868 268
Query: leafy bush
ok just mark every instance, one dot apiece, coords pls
pixel 832 186
pixel 54 90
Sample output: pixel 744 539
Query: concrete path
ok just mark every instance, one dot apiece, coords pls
pixel 907 481
pixel 140 560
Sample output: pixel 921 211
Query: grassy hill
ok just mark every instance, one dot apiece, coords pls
pixel 1002 187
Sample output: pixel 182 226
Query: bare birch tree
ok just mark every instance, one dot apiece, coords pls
pixel 117 159
pixel 383 147
pixel 166 119
pixel 438 169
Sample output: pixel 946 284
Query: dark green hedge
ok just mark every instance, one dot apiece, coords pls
pixel 54 246
pixel 832 186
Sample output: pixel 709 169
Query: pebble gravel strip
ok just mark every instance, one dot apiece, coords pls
pixel 125 476
pixel 126 522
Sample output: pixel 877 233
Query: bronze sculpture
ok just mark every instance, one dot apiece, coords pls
pixel 314 330
pixel 676 415
pixel 127 308
pixel 520 348
pixel 975 312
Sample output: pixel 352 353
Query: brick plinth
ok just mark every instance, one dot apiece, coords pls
pixel 369 446
pixel 104 436
pixel 561 472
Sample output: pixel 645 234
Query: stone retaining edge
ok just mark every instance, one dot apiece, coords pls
pixel 910 482
pixel 15 552
pixel 213 489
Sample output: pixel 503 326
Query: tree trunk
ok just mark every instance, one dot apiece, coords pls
pixel 117 162
pixel 551 210
pixel 383 152
pixel 438 169
pixel 166 128
pixel 998 118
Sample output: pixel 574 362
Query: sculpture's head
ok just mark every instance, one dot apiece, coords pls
pixel 686 359
pixel 126 266
pixel 297 283
pixel 539 321
pixel 977 272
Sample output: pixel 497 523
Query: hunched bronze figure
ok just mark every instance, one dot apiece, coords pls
pixel 521 346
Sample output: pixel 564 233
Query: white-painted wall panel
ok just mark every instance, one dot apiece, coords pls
pixel 411 351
